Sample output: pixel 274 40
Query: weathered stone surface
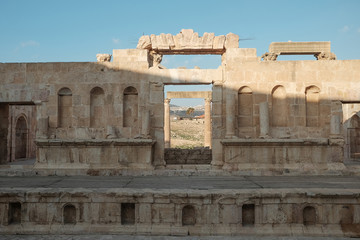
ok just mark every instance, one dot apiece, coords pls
pixel 188 41
pixel 103 57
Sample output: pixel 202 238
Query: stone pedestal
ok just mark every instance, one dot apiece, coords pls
pixel 167 123
pixel 207 122
pixel 264 120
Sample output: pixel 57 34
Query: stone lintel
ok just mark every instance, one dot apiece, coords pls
pixel 299 48
pixel 94 142
pixel 194 94
pixel 275 142
pixel 188 42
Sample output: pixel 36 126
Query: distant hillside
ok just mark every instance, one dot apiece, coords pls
pixel 181 111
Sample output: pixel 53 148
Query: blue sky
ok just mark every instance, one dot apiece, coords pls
pixel 76 30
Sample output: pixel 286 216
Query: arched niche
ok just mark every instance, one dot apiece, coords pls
pixel 354 137
pixel 309 216
pixel 245 107
pixel 130 107
pixel 69 214
pixel 188 215
pixel 65 110
pixel 280 108
pixel 312 98
pixel 98 110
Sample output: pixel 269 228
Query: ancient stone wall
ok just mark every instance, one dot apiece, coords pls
pixel 179 213
pixel 188 156
pixel 299 99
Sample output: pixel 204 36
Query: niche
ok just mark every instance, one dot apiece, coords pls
pixel 69 214
pixel 188 216
pixel 65 108
pixel 346 215
pixel 279 107
pixel 309 216
pixel 130 107
pixel 245 107
pixel 97 108
pixel 248 214
pixel 128 213
pixel 21 138
pixel 14 216
pixel 354 137
pixel 312 106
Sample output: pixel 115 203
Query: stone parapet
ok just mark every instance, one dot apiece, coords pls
pixel 302 156
pixel 89 154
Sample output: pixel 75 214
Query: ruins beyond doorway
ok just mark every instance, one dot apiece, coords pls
pixel 204 118
pixel 187 129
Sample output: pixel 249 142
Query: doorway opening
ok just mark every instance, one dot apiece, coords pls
pixel 21 138
pixel 187 124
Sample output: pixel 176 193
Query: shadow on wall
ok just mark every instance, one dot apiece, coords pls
pixel 102 101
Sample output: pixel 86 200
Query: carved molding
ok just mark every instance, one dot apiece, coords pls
pixel 325 56
pixel 101 57
pixel 188 41
pixel 269 56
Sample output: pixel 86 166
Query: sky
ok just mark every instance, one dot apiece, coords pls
pixel 76 30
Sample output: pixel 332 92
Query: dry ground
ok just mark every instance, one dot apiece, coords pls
pixel 187 133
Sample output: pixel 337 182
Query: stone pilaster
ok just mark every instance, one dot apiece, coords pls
pixel 207 122
pixel 230 116
pixel 167 123
pixel 264 120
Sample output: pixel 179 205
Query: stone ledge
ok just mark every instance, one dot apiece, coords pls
pixel 94 142
pixel 275 142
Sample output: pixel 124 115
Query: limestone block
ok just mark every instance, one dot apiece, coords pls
pixel 103 57
pixel 219 42
pixel 229 214
pixel 144 42
pixel 232 41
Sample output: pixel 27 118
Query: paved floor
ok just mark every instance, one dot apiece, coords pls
pixel 131 237
pixel 183 182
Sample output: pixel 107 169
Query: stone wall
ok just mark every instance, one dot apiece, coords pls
pixel 188 156
pixel 295 156
pixel 180 213
pixel 299 98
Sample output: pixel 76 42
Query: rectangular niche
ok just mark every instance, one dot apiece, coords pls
pixel 248 215
pixel 128 213
pixel 14 213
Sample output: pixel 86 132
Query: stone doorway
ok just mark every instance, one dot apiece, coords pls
pixel 21 138
pixel 354 143
pixel 188 154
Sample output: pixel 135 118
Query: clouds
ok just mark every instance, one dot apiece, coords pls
pixel 29 44
pixel 345 29
pixel 116 41
pixel 348 29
